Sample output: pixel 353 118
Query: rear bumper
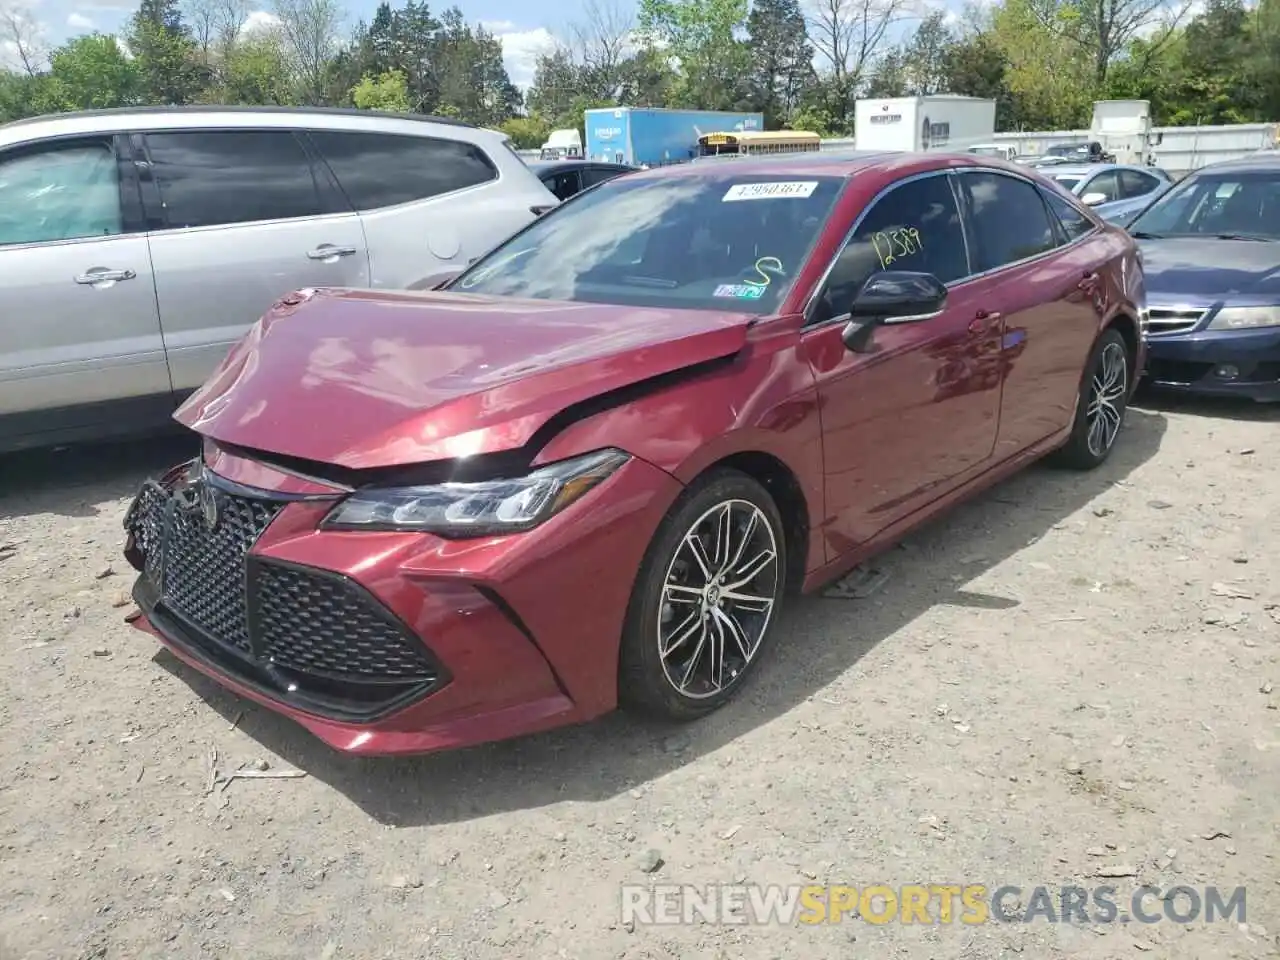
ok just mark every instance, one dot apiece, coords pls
pixel 1242 363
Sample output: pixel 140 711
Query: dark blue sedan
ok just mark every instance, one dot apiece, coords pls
pixel 1211 251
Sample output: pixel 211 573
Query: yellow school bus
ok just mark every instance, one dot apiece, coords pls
pixel 758 142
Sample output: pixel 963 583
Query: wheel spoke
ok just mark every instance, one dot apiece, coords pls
pixel 717 645
pixel 749 602
pixel 694 544
pixel 751 569
pixel 678 593
pixel 747 533
pixel 688 626
pixel 724 540
pixel 695 659
pixel 739 635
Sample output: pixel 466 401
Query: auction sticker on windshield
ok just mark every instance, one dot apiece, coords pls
pixel 742 291
pixel 770 191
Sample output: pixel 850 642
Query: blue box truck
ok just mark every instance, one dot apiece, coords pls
pixel 649 135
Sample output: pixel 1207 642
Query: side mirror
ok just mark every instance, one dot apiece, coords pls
pixel 893 296
pixel 1093 198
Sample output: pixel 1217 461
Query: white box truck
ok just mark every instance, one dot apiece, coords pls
pixel 940 122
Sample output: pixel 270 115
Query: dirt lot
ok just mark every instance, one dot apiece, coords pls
pixel 1056 680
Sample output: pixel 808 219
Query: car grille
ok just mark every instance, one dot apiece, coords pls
pixel 1165 320
pixel 291 629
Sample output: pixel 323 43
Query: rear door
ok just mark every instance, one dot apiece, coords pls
pixel 80 343
pixel 1042 281
pixel 239 218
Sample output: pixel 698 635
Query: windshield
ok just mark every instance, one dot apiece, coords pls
pixel 710 242
pixel 1244 204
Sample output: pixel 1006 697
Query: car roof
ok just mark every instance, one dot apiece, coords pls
pixel 1266 161
pixel 195 116
pixel 833 163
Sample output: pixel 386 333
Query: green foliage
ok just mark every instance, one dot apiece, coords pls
pixel 89 73
pixel 526 133
pixel 703 37
pixel 386 91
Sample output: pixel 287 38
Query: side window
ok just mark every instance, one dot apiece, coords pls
pixel 1107 184
pixel 1135 183
pixel 218 177
pixel 1008 218
pixel 62 192
pixel 915 226
pixel 382 170
pixel 1074 223
pixel 593 175
pixel 563 184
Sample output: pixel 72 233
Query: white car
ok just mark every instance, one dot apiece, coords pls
pixel 137 245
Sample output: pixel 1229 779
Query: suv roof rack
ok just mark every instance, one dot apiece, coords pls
pixel 215 108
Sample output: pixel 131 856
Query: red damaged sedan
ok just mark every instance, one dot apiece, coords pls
pixel 589 470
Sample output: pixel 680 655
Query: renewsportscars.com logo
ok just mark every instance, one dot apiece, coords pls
pixel 927 904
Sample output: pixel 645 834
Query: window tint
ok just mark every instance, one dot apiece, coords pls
pixel 593 175
pixel 1245 203
pixel 1134 183
pixel 563 184
pixel 915 226
pixel 1107 184
pixel 714 241
pixel 61 193
pixel 382 170
pixel 1009 220
pixel 1074 223
pixel 213 177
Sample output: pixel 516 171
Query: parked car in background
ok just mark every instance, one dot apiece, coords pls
pixel 1004 151
pixel 137 245
pixel 1084 152
pixel 1039 160
pixel 591 468
pixel 1211 247
pixel 568 178
pixel 1115 191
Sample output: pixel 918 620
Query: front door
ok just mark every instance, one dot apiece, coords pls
pixel 902 422
pixel 80 344
pixel 241 217
pixel 1043 279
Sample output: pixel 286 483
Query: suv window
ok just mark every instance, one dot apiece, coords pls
pixel 217 177
pixel 64 192
pixel 915 226
pixel 1074 223
pixel 385 169
pixel 1008 218
pixel 563 184
pixel 1134 183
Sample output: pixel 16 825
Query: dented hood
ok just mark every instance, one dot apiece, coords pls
pixel 365 379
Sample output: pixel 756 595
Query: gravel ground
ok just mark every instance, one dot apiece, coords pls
pixel 1073 675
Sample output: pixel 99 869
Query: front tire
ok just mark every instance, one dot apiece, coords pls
pixel 1104 400
pixel 706 599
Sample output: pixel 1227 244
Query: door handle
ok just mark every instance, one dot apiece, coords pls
pixel 327 251
pixel 984 322
pixel 103 275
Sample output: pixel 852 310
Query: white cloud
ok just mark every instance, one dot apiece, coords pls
pixel 78 21
pixel 520 49
pixel 259 21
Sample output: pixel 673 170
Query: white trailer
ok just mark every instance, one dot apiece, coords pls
pixel 939 122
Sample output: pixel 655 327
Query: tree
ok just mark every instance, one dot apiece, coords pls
pixel 90 73
pixel 781 59
pixel 702 38
pixel 1102 29
pixel 20 31
pixel 164 54
pixel 309 35
pixel 600 41
pixel 526 133
pixel 846 35
pixel 556 82
pixel 386 91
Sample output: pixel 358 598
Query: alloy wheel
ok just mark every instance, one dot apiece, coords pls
pixel 717 598
pixel 1106 398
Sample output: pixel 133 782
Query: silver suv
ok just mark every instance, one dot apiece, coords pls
pixel 137 245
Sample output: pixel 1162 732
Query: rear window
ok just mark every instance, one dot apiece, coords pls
pixel 383 170
pixel 719 242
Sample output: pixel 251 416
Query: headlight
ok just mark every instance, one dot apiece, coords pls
pixel 483 508
pixel 1245 318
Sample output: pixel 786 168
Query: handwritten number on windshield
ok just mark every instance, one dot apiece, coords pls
pixel 765 267
pixel 891 245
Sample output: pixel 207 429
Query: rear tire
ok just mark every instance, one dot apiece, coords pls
pixel 706 600
pixel 1104 400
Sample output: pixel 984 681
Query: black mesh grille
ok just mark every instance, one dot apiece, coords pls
pixel 322 624
pixel 147 526
pixel 204 580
